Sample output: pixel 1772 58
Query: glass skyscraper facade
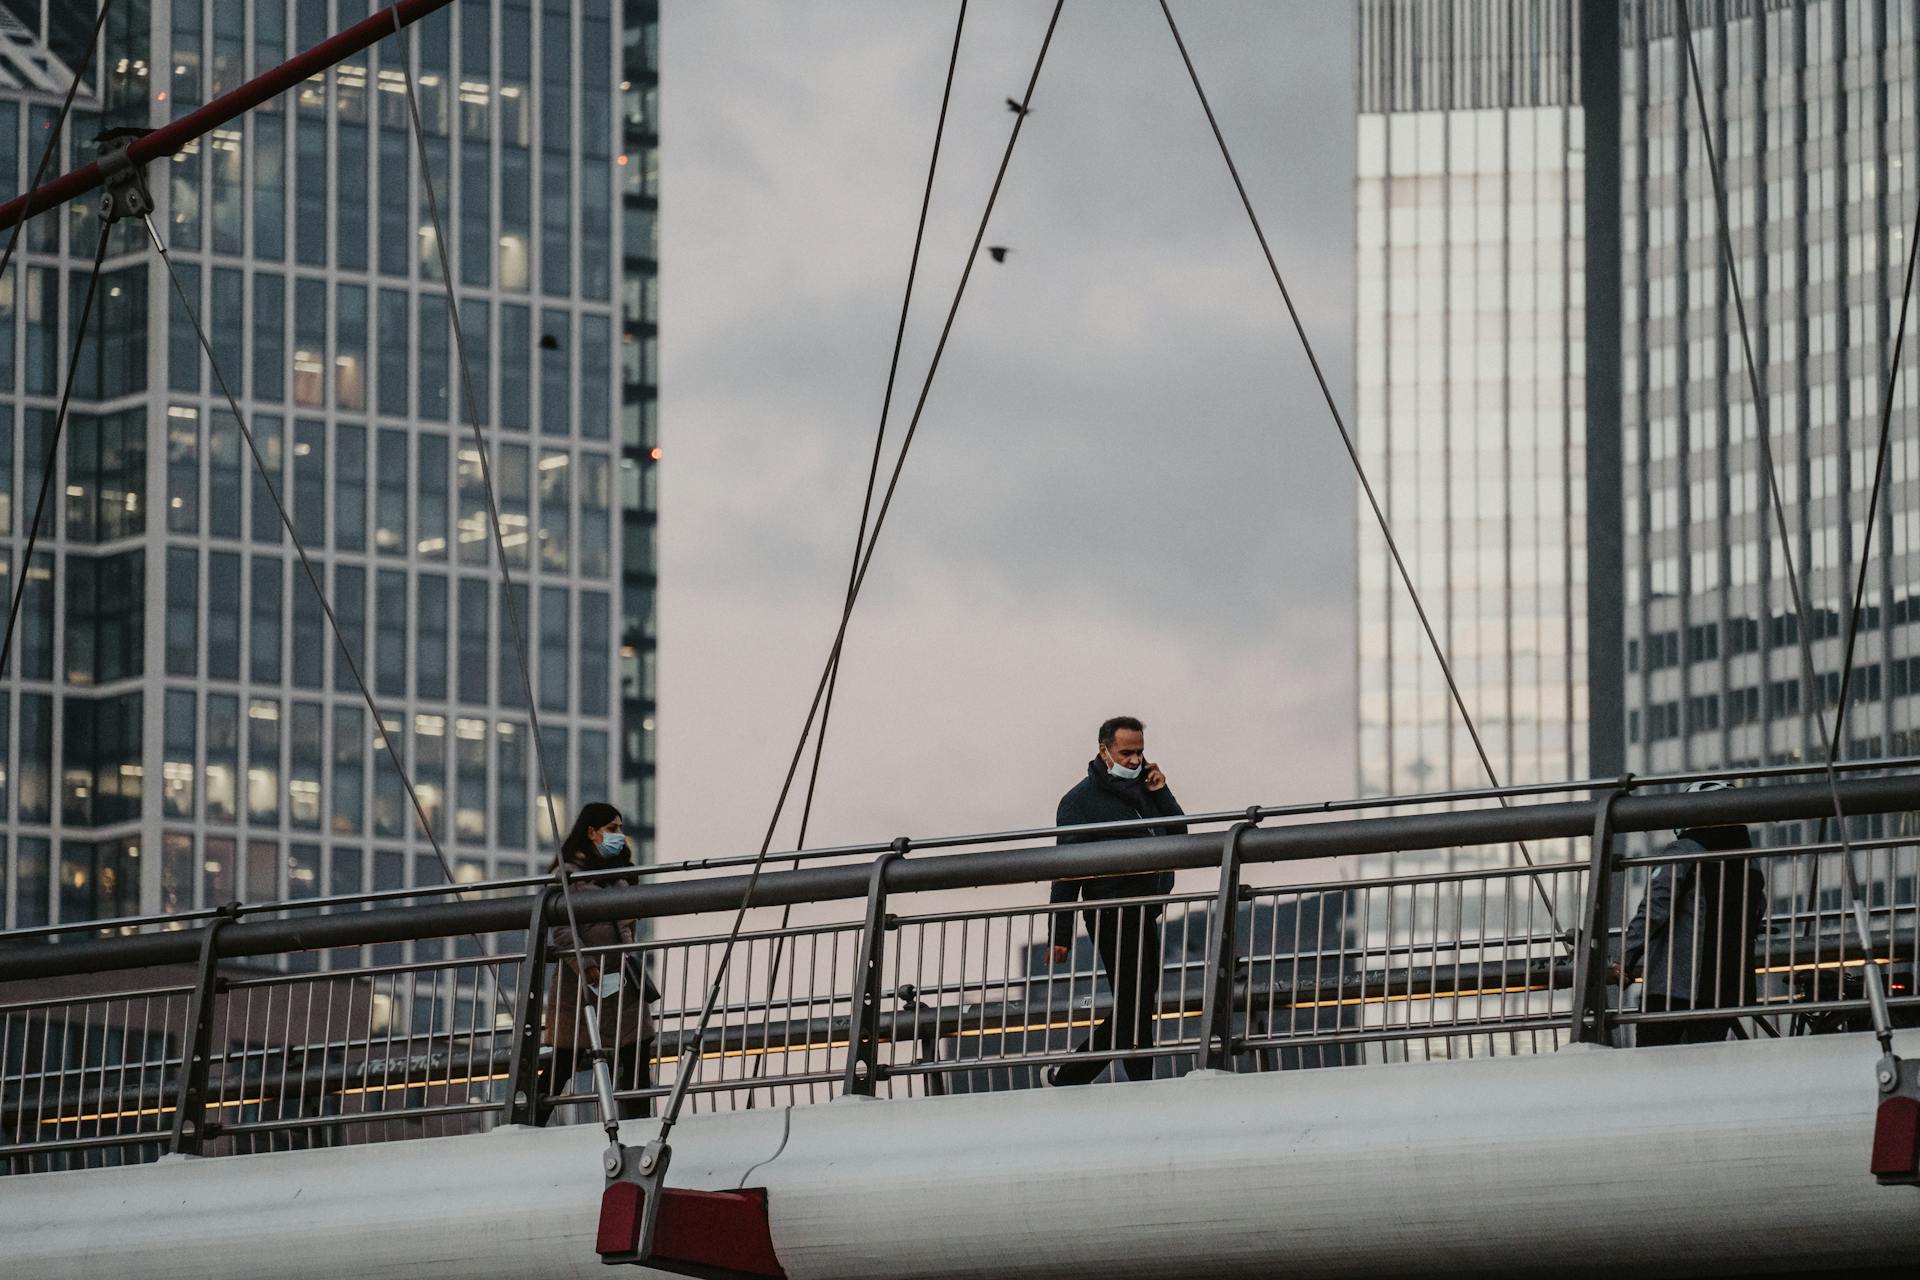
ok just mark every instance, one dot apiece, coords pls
pixel 180 727
pixel 1813 110
pixel 1469 350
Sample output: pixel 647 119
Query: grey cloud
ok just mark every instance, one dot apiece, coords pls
pixel 1126 486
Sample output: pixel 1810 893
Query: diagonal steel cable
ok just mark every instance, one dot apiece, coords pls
pixel 691 1056
pixel 562 869
pixel 866 501
pixel 313 580
pixel 13 243
pixel 1353 455
pixel 1876 997
pixel 53 445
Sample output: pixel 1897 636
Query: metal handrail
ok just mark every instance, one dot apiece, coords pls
pixel 874 848
pixel 982 868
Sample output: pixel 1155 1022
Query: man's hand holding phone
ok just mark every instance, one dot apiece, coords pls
pixel 1155 779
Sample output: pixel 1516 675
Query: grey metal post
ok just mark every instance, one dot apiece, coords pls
pixel 1589 1015
pixel 1606 564
pixel 863 1056
pixel 529 1000
pixel 190 1092
pixel 1216 1016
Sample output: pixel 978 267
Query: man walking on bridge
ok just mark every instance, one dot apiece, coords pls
pixel 1121 784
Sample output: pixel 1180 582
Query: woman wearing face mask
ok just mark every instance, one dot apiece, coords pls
pixel 616 981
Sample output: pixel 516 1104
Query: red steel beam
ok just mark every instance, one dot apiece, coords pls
pixel 169 138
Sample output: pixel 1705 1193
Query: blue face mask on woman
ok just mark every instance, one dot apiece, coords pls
pixel 611 844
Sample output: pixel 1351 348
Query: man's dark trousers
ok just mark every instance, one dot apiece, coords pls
pixel 1128 940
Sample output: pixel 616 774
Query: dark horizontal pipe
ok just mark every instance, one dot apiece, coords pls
pixel 1301 842
pixel 169 138
pixel 1023 835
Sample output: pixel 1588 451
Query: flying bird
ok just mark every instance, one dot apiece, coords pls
pixel 999 252
pixel 1016 108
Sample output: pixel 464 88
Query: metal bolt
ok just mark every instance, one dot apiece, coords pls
pixel 612 1161
pixel 1886 1077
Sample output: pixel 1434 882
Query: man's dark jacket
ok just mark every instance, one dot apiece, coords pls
pixel 1101 797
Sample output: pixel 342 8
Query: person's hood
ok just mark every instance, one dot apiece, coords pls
pixel 1733 837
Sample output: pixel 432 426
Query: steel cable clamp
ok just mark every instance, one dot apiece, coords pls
pixel 127 194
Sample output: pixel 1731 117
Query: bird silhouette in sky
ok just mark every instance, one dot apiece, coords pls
pixel 1016 108
pixel 999 252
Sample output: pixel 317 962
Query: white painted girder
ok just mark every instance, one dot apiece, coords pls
pixel 1691 1160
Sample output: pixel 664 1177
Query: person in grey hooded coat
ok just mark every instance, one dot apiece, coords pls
pixel 1694 934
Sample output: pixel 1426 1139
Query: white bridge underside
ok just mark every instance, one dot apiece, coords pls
pixel 1698 1160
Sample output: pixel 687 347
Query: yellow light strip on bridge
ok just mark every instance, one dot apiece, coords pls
pixel 254 1102
pixel 1810 965
pixel 1418 995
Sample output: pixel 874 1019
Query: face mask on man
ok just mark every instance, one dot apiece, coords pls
pixel 1123 772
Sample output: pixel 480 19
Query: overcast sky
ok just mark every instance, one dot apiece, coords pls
pixel 1126 495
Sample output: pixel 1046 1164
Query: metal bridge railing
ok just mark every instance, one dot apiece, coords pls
pixel 900 979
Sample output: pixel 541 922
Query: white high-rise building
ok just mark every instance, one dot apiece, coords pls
pixel 1469 350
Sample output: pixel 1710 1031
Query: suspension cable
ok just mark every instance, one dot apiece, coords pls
pixel 690 1057
pixel 53 444
pixel 866 501
pixel 1353 455
pixel 313 580
pixel 1876 997
pixel 609 1118
pixel 6 258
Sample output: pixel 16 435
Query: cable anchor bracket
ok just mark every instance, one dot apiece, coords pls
pixel 127 194
pixel 716 1235
pixel 1896 1123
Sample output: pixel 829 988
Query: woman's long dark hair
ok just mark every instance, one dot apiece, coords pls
pixel 579 850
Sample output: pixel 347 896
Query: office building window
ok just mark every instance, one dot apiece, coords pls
pixel 263 649
pixel 390 493
pixel 556 502
pixel 430 660
pixel 431 513
pixel 395 343
pixel 222 771
pixel 470 780
pixel 510 767
pixel 223 615
pixel 349 487
pixel 474 613
pixel 350 611
pixel 305 754
pixel 269 337
pixel 183 611
pixel 349 791
pixel 178 770
pixel 183 469
pixel 390 633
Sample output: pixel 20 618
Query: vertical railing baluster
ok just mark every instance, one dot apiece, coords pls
pixel 1216 1017
pixel 529 998
pixel 190 1092
pixel 1588 1023
pixel 863 1066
